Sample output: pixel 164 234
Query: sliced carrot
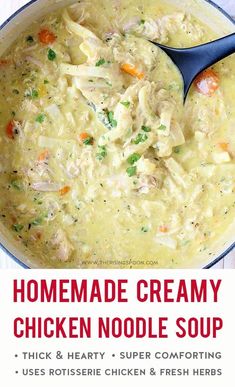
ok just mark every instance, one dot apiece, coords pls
pixel 4 62
pixel 224 146
pixel 46 37
pixel 163 229
pixel 10 130
pixel 43 156
pixel 63 191
pixel 38 235
pixel 83 136
pixel 207 82
pixel 132 70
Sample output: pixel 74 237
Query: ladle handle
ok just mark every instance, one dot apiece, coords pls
pixel 192 61
pixel 212 52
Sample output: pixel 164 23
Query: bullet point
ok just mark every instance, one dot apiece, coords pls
pixel 16 355
pixel 16 372
pixel 113 355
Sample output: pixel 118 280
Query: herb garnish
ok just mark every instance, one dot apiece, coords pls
pixel 126 104
pixel 146 128
pixel 141 137
pixel 29 39
pixel 102 153
pixel 144 229
pixel 111 119
pixel 131 171
pixel 100 62
pixel 88 141
pixel 177 149
pixel 17 227
pixel 133 158
pixel 16 184
pixel 162 127
pixel 51 54
pixel 40 118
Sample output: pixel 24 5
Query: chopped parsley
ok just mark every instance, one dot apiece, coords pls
pixel 111 119
pixel 31 93
pixel 16 184
pixel 17 227
pixel 133 158
pixel 146 128
pixel 37 222
pixel 34 93
pixel 141 137
pixel 88 141
pixel 131 171
pixel 102 153
pixel 40 118
pixel 142 21
pixel 51 55
pixel 144 229
pixel 29 39
pixel 126 104
pixel 177 149
pixel 100 62
pixel 162 127
pixel 45 82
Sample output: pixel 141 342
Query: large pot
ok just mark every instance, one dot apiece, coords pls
pixel 205 10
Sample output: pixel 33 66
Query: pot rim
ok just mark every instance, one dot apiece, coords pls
pixel 6 22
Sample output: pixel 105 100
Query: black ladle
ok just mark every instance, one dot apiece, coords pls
pixel 192 61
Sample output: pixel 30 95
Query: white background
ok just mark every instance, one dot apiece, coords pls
pixel 7 7
pixel 223 343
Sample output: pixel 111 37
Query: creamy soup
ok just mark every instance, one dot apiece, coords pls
pixel 101 164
